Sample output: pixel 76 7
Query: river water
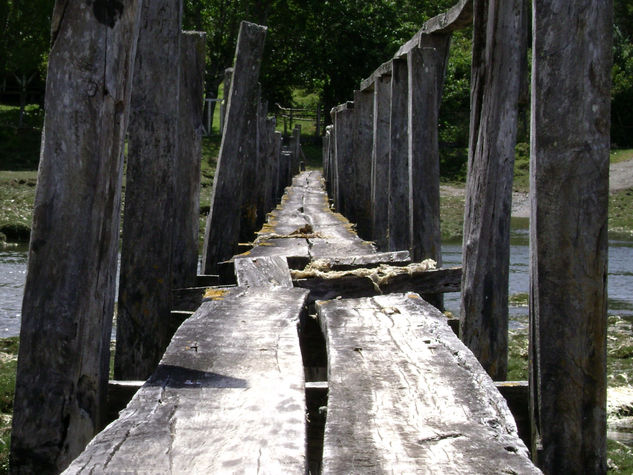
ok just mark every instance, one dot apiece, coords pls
pixel 13 274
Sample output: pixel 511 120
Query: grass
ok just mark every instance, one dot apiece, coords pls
pixel 8 367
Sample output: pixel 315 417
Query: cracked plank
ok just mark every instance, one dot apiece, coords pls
pixel 406 396
pixel 228 395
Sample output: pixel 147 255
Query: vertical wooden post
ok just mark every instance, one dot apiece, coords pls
pixel 222 230
pixel 187 170
pixel 228 77
pixel 426 67
pixel 327 159
pixel 70 287
pixel 398 229
pixel 295 148
pixel 380 161
pixel 272 169
pixel 250 162
pixel 498 47
pixel 343 149
pixel 569 179
pixel 363 142
pixel 262 180
pixel 279 185
pixel 144 305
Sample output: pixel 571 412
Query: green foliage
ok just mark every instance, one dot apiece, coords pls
pixel 8 368
pixel 17 195
pixel 20 145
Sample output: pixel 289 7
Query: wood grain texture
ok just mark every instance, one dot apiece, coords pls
pixel 398 228
pixel 343 119
pixel 568 228
pixel 187 169
pixel 406 396
pixel 496 78
pixel 380 162
pixel 227 397
pixel 222 229
pixel 353 286
pixel 363 143
pixel 70 286
pixel 269 271
pixel 148 222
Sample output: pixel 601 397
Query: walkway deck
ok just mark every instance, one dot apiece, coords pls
pixel 229 396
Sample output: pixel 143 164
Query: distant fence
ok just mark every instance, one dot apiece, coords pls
pixel 312 116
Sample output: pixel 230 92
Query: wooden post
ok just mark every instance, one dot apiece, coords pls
pixel 70 287
pixel 343 163
pixel 222 231
pixel 498 47
pixel 187 170
pixel 569 179
pixel 148 229
pixel 380 161
pixel 250 170
pixel 398 228
pixel 327 159
pixel 272 159
pixel 228 77
pixel 363 142
pixel 263 180
pixel 426 67
pixel 279 185
pixel 295 146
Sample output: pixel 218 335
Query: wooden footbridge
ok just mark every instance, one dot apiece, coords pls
pixel 304 346
pixel 248 379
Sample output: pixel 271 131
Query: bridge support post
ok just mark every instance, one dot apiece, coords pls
pixel 498 46
pixel 222 229
pixel 62 375
pixel 363 141
pixel 187 170
pixel 426 68
pixel 569 177
pixel 380 161
pixel 250 163
pixel 145 283
pixel 398 229
pixel 343 161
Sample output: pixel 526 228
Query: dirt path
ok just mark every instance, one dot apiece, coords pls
pixel 620 178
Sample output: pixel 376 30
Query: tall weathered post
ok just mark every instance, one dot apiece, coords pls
pixel 343 163
pixel 569 181
pixel 222 230
pixel 144 305
pixel 187 170
pixel 249 162
pixel 426 65
pixel 363 142
pixel 70 287
pixel 380 159
pixel 498 46
pixel 398 228
pixel 228 77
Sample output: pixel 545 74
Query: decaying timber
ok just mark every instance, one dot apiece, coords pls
pixel 228 395
pixel 70 286
pixel 406 396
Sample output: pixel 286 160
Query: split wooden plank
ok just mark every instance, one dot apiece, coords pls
pixel 325 287
pixel 569 176
pixel 222 230
pixel 406 396
pixel 269 271
pixel 228 395
pixel 70 286
pixel 400 258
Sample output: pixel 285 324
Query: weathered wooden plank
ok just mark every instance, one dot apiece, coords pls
pixel 497 49
pixel 398 227
pixel 250 161
pixel 269 271
pixel 188 298
pixel 569 163
pixel 369 284
pixel 383 70
pixel 187 170
pixel 399 258
pixel 70 287
pixel 228 395
pixel 363 143
pixel 222 230
pixel 380 162
pixel 148 223
pixel 406 396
